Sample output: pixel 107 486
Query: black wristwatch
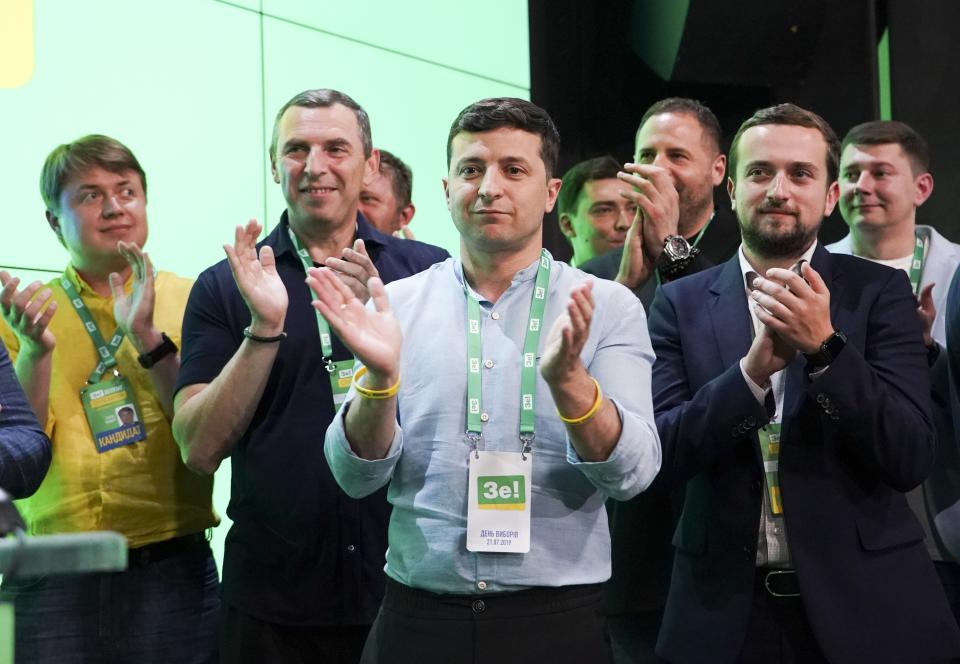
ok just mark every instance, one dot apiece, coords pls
pixel 676 255
pixel 829 350
pixel 166 347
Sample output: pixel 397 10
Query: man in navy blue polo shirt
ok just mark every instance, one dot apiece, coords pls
pixel 261 374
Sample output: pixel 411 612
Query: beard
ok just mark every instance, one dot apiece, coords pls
pixel 783 242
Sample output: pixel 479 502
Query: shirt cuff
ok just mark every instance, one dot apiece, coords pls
pixel 760 393
pixel 356 476
pixel 633 463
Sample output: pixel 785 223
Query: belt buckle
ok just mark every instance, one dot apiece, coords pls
pixel 777 572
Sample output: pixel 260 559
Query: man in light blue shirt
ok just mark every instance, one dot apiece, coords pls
pixel 478 567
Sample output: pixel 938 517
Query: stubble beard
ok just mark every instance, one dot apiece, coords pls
pixel 785 244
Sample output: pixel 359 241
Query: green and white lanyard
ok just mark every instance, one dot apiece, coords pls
pixel 341 373
pixel 919 258
pixel 528 372
pixel 105 351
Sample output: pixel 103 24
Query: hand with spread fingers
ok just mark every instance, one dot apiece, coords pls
pixel 927 311
pixel 258 281
pixel 134 312
pixel 567 336
pixel 355 269
pixel 374 337
pixel 796 307
pixel 655 194
pixel 28 313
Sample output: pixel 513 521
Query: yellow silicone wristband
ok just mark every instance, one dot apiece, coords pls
pixel 590 413
pixel 367 393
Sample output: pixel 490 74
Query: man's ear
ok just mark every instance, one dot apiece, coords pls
pixel 406 213
pixel 371 167
pixel 732 193
pixel 553 188
pixel 833 195
pixel 718 169
pixel 54 222
pixel 566 227
pixel 446 191
pixel 273 169
pixel 924 187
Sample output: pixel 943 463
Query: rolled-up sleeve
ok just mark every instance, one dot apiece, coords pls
pixel 622 364
pixel 358 477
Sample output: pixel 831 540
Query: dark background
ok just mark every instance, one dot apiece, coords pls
pixel 596 66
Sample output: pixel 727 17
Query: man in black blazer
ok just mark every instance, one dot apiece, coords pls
pixel 795 448
pixel 679 162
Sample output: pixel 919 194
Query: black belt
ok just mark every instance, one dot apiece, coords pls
pixel 777 582
pixel 151 553
pixel 495 605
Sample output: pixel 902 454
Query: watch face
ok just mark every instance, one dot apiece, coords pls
pixel 676 247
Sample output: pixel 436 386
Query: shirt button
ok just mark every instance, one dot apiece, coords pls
pixel 484 417
pixel 482 585
pixel 495 315
pixel 479 606
pixel 488 364
pixel 351 548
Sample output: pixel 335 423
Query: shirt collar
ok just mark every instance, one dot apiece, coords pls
pixel 83 287
pixel 746 267
pixel 529 273
pixel 372 238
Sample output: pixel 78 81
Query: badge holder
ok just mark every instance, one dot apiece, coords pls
pixel 770 451
pixel 112 413
pixel 341 377
pixel 498 508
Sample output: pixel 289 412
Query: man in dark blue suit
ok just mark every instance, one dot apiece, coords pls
pixel 796 543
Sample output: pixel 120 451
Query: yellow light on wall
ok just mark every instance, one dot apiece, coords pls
pixel 16 42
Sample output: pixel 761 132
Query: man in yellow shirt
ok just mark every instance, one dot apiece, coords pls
pixel 101 339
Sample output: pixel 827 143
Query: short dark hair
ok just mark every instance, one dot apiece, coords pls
pixel 599 168
pixel 705 117
pixel 325 98
pixel 401 177
pixel 882 132
pixel 71 159
pixel 792 115
pixel 497 112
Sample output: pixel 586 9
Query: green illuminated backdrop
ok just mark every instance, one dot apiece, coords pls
pixel 191 86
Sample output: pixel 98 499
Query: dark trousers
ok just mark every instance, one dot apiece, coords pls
pixel 245 639
pixel 556 625
pixel 949 574
pixel 633 636
pixel 778 631
pixel 162 609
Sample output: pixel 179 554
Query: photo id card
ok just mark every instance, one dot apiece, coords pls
pixel 498 508
pixel 112 413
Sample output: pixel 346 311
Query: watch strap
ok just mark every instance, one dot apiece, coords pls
pixel 150 358
pixel 828 350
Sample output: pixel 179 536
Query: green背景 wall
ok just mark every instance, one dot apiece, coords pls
pixel 192 87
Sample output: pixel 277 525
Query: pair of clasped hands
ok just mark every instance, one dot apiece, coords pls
pixel 342 289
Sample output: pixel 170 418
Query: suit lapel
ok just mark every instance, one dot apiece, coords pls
pixel 732 326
